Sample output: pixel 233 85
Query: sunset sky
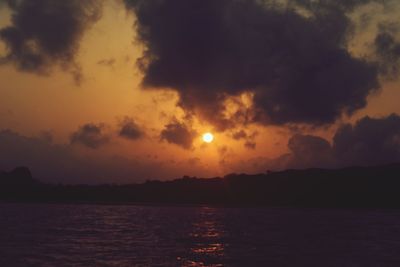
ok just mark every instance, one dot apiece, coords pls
pixel 103 91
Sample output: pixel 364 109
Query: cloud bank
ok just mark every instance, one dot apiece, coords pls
pixel 370 141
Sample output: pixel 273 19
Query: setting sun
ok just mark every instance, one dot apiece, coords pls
pixel 208 137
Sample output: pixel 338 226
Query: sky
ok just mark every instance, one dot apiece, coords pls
pixel 121 91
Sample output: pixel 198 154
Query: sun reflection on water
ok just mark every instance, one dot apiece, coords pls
pixel 208 246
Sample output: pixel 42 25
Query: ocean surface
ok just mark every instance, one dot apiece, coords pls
pixel 101 235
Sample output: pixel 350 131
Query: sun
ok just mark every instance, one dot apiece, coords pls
pixel 208 137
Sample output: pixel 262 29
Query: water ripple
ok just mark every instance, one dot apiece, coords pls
pixel 95 235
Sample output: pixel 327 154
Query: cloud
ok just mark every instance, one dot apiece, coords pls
pixel 249 138
pixel 342 5
pixel 306 145
pixel 45 33
pixel 91 135
pixel 130 130
pixel 296 66
pixel 308 151
pixel 179 134
pixel 370 141
pixel 387 49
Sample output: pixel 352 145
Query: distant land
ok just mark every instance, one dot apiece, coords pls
pixel 369 187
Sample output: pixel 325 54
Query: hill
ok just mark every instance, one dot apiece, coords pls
pixel 349 187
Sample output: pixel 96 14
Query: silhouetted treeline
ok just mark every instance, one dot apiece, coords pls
pixel 349 187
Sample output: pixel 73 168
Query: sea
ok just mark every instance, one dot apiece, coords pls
pixel 115 235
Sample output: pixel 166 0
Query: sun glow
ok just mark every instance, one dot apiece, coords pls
pixel 208 137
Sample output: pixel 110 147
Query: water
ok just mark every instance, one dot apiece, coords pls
pixel 96 235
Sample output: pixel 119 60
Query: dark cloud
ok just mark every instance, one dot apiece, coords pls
pixel 248 138
pixel 305 145
pixel 44 33
pixel 130 130
pixel 90 135
pixel 387 49
pixel 343 5
pixel 297 67
pixel 369 141
pixel 308 151
pixel 179 134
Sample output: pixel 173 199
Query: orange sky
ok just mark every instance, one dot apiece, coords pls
pixel 31 104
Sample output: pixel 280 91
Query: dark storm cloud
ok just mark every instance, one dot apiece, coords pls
pixel 44 33
pixel 179 134
pixel 90 135
pixel 297 66
pixel 130 130
pixel 369 141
